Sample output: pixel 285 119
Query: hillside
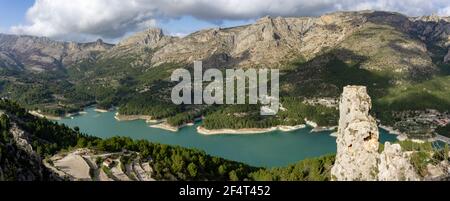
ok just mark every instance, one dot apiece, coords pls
pixel 385 51
pixel 35 149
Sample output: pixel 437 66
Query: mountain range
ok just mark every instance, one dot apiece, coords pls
pixel 404 61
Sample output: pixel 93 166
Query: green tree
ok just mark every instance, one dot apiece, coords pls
pixel 82 142
pixel 222 169
pixel 192 168
pixel 233 176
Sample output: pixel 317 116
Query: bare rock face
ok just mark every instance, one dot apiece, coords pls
pixel 151 38
pixel 269 42
pixel 22 140
pixel 41 54
pixel 357 156
pixel 394 165
pixel 357 138
pixel 447 57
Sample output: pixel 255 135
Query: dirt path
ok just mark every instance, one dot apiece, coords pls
pixel 75 166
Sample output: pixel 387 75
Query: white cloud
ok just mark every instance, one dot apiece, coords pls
pixel 112 19
pixel 178 34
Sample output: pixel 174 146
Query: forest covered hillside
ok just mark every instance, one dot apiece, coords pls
pixel 403 60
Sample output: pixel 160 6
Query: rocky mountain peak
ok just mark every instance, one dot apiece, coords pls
pixel 150 38
pixel 99 41
pixel 431 18
pixel 264 19
pixel 41 53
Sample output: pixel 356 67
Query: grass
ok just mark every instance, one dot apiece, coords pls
pixel 108 172
pixel 431 94
pixel 420 160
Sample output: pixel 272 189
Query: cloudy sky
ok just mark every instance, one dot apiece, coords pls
pixel 111 20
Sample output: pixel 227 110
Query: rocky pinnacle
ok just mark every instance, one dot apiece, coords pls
pixel 357 156
pixel 357 140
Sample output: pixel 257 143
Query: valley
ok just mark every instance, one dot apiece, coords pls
pixel 403 61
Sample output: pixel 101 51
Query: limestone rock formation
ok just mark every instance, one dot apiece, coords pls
pixel 20 163
pixel 357 138
pixel 381 39
pixel 357 156
pixel 151 38
pixel 40 53
pixel 269 42
pixel 395 166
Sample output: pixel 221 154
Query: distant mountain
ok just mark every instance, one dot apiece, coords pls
pixel 390 40
pixel 270 42
pixel 386 38
pixel 40 53
pixel 399 58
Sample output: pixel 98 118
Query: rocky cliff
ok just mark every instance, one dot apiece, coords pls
pixel 357 139
pixel 18 160
pixel 384 39
pixel 40 53
pixel 357 156
pixel 387 39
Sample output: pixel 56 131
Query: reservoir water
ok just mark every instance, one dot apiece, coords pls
pixel 273 149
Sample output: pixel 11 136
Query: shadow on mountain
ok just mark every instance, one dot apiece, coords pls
pixel 395 20
pixel 416 72
pixel 413 101
pixel 224 60
pixel 328 73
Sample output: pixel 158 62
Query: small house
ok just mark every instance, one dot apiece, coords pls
pixel 108 163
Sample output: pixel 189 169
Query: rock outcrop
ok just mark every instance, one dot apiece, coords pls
pixel 394 165
pixel 357 156
pixel 151 38
pixel 357 138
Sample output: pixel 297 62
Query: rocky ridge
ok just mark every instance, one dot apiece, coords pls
pixel 39 53
pixel 269 42
pixel 274 41
pixel 18 160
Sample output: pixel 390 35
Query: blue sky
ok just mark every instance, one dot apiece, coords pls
pixel 13 12
pixel 111 20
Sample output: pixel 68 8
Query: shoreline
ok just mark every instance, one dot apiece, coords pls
pixel 167 127
pixel 247 131
pixel 56 118
pixel 146 118
pixel 49 117
pixel 162 124
pixel 403 136
pixel 400 136
pixel 317 129
pixel 323 129
pixel 101 110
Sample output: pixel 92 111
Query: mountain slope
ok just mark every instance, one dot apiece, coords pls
pixel 317 57
pixel 40 54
